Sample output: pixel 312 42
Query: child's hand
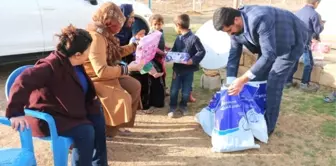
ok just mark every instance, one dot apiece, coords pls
pixel 153 72
pixel 158 51
pixel 167 48
pixel 315 41
pixel 157 75
pixel 189 62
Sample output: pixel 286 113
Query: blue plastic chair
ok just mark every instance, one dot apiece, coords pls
pixel 18 156
pixel 59 145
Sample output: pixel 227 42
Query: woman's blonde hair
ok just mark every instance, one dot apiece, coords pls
pixel 109 10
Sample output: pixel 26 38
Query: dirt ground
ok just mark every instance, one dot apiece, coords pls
pixel 161 141
pixel 305 133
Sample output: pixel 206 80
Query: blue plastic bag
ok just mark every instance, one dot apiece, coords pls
pixel 206 118
pixel 231 129
pixel 214 101
pixel 254 115
pixel 258 91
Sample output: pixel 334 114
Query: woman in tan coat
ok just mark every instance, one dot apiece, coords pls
pixel 118 92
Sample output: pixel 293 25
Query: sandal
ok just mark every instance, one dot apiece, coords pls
pixel 330 98
pixel 124 132
pixel 167 92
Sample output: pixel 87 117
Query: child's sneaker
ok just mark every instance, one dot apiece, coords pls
pixel 309 87
pixel 171 115
pixel 330 98
pixel 184 111
pixel 167 92
pixel 290 85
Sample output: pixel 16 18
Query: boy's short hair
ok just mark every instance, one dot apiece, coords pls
pixel 183 20
pixel 157 17
pixel 313 1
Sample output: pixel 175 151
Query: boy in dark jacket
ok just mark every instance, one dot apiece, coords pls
pixel 315 25
pixel 183 74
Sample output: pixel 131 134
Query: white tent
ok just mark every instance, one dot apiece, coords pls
pixel 327 11
pixel 217 46
pixel 216 43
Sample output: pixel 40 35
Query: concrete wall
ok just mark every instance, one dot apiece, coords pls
pixel 324 72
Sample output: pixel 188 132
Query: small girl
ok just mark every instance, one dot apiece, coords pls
pixel 139 32
pixel 157 23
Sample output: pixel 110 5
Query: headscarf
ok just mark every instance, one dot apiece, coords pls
pixel 126 9
pixel 137 26
pixel 108 10
pixel 126 32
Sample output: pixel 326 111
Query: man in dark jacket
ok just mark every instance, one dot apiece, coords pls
pixel 279 38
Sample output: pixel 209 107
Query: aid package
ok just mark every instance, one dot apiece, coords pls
pixel 177 57
pixel 206 118
pixel 231 130
pixel 147 47
pixel 254 107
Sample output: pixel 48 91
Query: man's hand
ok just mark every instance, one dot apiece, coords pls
pixel 323 22
pixel 19 123
pixel 237 85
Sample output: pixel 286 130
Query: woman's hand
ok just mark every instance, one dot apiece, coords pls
pixel 135 44
pixel 19 122
pixel 134 66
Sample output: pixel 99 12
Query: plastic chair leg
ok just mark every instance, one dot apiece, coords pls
pixel 61 156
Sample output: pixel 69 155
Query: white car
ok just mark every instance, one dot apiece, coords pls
pixel 28 27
